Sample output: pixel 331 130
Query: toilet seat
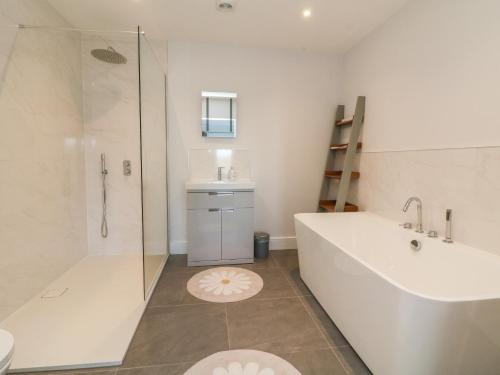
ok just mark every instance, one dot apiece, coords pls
pixel 6 348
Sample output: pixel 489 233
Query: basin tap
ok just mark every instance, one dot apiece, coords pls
pixel 219 173
pixel 419 212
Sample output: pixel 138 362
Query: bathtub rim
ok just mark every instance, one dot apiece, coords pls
pixel 442 299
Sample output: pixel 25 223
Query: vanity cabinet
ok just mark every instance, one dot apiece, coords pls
pixel 204 235
pixel 220 227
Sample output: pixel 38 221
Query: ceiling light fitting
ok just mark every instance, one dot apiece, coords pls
pixel 225 5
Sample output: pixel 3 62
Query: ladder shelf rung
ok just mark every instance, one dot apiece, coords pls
pixel 344 122
pixel 337 175
pixel 329 206
pixel 348 150
pixel 343 146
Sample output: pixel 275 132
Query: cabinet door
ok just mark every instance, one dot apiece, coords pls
pixel 237 233
pixel 204 238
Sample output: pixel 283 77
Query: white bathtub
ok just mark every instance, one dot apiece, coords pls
pixel 435 311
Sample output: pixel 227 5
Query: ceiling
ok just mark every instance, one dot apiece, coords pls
pixel 334 27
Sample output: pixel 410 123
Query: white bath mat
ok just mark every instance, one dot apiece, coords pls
pixel 242 362
pixel 225 284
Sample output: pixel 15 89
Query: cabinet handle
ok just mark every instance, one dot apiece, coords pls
pixel 221 193
pixel 213 209
pixel 228 210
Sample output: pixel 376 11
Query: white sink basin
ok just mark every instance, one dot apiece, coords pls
pixel 214 185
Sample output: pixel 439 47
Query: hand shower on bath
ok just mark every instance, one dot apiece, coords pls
pixel 104 222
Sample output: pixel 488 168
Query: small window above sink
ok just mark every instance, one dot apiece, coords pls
pixel 218 114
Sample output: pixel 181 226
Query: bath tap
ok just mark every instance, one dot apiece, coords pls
pixel 448 238
pixel 419 212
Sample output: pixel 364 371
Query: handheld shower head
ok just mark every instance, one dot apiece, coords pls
pixel 104 221
pixel 104 171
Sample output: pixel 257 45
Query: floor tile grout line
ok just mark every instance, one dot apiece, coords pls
pixel 271 256
pixel 282 270
pixel 322 333
pixel 326 347
pixel 268 299
pixel 304 298
pixel 179 305
pixel 216 303
pixel 153 366
pixel 76 371
pixel 190 270
pixel 318 327
pixel 294 288
pixel 324 337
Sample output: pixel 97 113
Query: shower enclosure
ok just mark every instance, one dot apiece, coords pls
pixel 83 197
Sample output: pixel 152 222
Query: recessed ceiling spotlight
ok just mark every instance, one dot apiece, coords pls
pixel 306 13
pixel 225 5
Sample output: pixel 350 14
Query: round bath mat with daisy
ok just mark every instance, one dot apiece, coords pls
pixel 225 284
pixel 242 362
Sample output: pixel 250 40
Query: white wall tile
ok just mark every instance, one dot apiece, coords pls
pixel 465 180
pixel 42 192
pixel 204 163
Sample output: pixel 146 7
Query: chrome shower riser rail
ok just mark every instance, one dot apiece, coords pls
pixel 55 28
pixel 104 219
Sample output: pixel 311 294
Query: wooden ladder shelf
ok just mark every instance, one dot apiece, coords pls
pixel 346 175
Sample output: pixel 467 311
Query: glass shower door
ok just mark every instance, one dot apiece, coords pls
pixel 153 160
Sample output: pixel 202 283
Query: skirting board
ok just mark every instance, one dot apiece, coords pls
pixel 275 243
pixel 282 243
pixel 178 247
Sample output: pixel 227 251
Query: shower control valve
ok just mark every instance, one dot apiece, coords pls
pixel 127 168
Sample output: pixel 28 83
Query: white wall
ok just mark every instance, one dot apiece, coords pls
pixel 42 188
pixel 431 75
pixel 286 103
pixel 431 79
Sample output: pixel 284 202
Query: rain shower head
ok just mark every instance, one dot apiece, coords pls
pixel 109 55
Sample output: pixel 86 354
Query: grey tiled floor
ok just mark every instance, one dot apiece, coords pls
pixel 178 329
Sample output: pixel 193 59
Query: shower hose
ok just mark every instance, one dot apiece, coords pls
pixel 104 221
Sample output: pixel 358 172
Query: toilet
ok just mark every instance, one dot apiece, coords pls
pixel 6 351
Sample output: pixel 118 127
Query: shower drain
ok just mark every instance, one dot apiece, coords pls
pixel 54 293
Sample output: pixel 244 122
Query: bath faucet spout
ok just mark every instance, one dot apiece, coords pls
pixel 448 238
pixel 420 228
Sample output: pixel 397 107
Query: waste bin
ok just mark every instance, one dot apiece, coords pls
pixel 261 244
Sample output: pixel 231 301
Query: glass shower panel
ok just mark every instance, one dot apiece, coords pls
pixel 111 120
pixel 154 158
pixel 69 101
pixel 42 187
